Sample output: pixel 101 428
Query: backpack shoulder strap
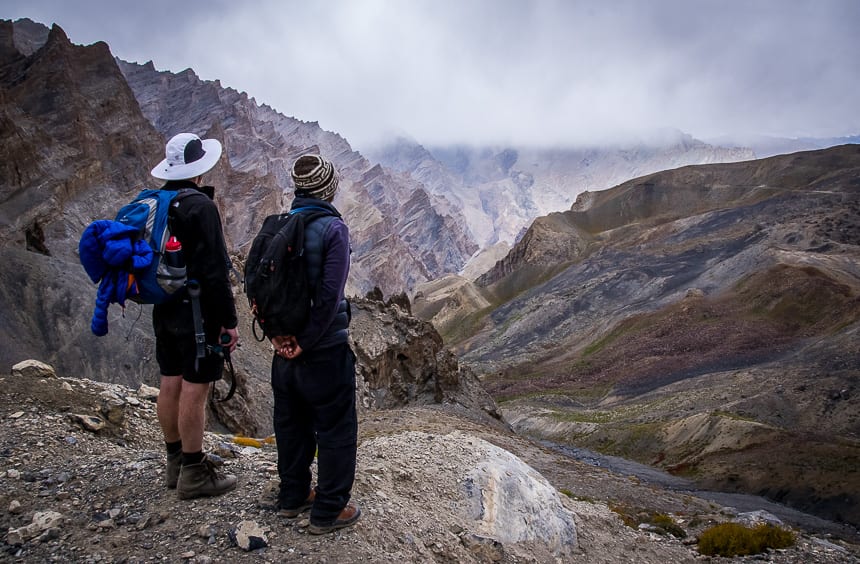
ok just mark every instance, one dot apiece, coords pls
pixel 312 213
pixel 180 195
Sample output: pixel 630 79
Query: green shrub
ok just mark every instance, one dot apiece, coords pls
pixel 734 539
pixel 659 522
pixel 667 524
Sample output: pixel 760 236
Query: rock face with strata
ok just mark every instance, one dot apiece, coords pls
pixel 77 147
pixel 401 234
pixel 74 143
pixel 402 361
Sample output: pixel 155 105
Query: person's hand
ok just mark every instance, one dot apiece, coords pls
pixel 286 346
pixel 294 350
pixel 234 338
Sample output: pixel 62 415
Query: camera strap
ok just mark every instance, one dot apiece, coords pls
pixel 199 334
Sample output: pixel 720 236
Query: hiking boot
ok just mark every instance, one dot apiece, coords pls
pixel 171 475
pixel 174 463
pixel 203 479
pixel 295 512
pixel 347 518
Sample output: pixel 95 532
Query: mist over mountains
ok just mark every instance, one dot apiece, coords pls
pixel 500 190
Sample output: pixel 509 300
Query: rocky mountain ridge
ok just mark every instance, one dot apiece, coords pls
pixel 392 219
pixel 77 144
pixel 79 141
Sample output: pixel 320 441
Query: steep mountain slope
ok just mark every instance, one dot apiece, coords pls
pixel 71 129
pixel 739 281
pixel 75 146
pixel 402 235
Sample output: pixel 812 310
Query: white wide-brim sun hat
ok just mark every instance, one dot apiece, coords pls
pixel 187 156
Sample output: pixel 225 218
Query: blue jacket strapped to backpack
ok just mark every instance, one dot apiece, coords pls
pixel 110 252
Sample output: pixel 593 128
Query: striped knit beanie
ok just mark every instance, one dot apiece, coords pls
pixel 314 176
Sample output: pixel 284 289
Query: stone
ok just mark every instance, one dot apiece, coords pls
pixel 42 521
pixel 47 519
pixel 753 518
pixel 248 536
pixel 88 422
pixel 33 369
pixel 149 393
pixel 511 502
pixel 114 410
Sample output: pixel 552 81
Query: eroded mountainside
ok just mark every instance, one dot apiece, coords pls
pixel 75 146
pixel 703 320
pixel 79 136
pixel 402 235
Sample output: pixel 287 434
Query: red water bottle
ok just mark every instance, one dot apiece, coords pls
pixel 173 253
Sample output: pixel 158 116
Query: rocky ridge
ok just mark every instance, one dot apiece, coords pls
pixel 401 234
pixel 79 144
pixel 83 130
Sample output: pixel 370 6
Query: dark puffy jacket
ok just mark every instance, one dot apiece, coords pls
pixel 327 254
pixel 196 222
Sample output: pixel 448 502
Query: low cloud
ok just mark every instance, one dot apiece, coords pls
pixel 481 71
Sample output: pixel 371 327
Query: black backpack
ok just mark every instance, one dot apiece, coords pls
pixel 276 278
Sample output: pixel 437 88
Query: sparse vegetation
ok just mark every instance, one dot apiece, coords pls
pixel 656 522
pixel 575 497
pixel 733 416
pixel 601 343
pixel 638 441
pixel 583 416
pixel 734 539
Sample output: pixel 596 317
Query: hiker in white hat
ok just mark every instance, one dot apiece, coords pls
pixel 187 157
pixel 186 372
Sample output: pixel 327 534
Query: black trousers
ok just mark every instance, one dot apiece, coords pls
pixel 315 414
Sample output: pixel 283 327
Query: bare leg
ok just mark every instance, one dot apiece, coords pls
pixel 168 407
pixel 192 415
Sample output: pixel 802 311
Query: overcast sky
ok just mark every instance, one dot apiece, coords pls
pixel 528 72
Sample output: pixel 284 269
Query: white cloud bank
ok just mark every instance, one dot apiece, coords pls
pixel 529 72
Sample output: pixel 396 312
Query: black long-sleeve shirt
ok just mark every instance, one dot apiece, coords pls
pixel 196 222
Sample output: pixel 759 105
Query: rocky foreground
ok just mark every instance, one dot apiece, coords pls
pixel 81 469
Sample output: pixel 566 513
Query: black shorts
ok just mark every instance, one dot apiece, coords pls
pixel 176 349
